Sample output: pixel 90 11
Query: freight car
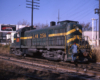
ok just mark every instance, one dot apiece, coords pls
pixel 53 42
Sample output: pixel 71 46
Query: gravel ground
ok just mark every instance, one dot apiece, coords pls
pixel 13 72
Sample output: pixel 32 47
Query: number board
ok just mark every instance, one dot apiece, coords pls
pixel 42 35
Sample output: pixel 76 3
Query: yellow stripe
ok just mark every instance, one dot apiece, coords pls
pixel 71 39
pixel 23 38
pixel 80 30
pixel 62 34
pixel 14 38
pixel 78 37
pixel 57 34
pixel 30 37
pixel 71 31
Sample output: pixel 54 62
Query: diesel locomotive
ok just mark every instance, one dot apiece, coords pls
pixel 52 43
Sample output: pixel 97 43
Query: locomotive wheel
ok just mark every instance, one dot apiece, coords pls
pixel 18 53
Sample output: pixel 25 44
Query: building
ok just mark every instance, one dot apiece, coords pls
pixel 6 30
pixel 92 38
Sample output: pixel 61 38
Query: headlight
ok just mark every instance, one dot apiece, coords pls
pixel 77 28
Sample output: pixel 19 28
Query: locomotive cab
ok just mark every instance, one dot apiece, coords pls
pixel 66 22
pixel 15 47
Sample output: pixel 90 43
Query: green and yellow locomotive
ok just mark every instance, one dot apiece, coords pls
pixel 52 43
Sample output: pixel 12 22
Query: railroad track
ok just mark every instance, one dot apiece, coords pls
pixel 90 66
pixel 52 67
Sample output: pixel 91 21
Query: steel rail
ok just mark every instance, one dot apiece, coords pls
pixel 54 68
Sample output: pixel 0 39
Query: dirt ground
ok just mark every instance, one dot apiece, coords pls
pixel 13 72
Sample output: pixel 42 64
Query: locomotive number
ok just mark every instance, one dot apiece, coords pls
pixel 42 35
pixel 35 36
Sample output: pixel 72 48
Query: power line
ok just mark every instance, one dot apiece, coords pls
pixel 76 8
pixel 82 12
pixel 85 13
pixel 71 8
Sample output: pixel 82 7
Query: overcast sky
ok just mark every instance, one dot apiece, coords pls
pixel 13 11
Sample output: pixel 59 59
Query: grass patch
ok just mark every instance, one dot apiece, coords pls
pixel 96 54
pixel 4 49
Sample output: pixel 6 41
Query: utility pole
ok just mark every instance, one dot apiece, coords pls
pixel 96 31
pixel 32 7
pixel 97 11
pixel 92 30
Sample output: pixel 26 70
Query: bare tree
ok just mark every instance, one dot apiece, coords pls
pixel 86 26
pixel 39 25
pixel 24 22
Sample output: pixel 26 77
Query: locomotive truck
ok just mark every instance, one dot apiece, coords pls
pixel 52 43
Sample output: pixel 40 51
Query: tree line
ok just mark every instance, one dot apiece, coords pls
pixel 85 26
